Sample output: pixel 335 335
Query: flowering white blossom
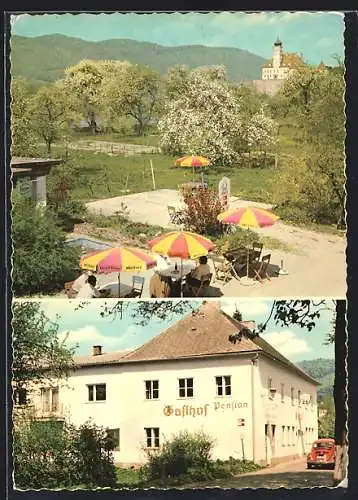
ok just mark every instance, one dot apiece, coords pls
pixel 203 118
pixel 261 130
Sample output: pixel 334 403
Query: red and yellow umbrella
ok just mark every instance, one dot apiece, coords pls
pixel 248 217
pixel 183 244
pixel 192 161
pixel 127 259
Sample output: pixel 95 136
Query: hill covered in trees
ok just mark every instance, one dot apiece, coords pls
pixel 44 58
pixel 322 370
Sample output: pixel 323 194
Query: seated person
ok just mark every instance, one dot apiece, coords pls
pixel 202 269
pixel 80 281
pixel 89 290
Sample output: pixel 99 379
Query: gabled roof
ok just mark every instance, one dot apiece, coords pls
pixel 100 359
pixel 204 333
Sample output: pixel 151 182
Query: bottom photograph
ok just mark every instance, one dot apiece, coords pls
pixel 174 393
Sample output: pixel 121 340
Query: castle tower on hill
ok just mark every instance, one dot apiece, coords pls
pixel 281 65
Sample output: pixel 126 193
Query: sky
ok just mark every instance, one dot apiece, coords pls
pixel 86 327
pixel 317 35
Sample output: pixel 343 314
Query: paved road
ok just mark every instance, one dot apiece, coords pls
pixel 291 475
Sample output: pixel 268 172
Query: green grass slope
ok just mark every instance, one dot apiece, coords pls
pixel 44 58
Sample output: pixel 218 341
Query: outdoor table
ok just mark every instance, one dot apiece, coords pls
pixel 179 273
pixel 175 276
pixel 112 288
pixel 239 258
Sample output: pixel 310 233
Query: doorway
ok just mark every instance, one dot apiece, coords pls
pixel 270 431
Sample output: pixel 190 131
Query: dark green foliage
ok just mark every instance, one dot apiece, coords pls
pixel 67 211
pixel 42 262
pixel 35 345
pixel 239 237
pixel 53 53
pixel 53 454
pixel 326 418
pixel 176 457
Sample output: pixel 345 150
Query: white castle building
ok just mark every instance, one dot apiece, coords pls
pixel 282 64
pixel 249 398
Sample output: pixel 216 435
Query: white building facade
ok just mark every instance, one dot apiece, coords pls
pixel 253 403
pixel 281 65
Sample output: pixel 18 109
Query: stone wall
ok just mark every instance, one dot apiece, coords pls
pixel 270 87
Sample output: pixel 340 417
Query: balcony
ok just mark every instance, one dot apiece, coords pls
pixel 54 410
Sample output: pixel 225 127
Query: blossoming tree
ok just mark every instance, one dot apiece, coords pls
pixel 202 116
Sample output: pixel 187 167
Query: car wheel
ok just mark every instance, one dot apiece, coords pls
pixel 309 466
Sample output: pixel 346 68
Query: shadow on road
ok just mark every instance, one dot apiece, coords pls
pixel 304 479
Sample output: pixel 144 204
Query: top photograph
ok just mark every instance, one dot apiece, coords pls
pixel 178 155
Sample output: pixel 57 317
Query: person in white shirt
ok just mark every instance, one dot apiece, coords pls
pixel 81 281
pixel 202 269
pixel 89 290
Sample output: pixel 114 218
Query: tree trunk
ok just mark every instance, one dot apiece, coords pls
pixel 48 143
pixel 340 393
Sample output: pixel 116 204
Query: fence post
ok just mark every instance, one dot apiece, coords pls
pixel 152 170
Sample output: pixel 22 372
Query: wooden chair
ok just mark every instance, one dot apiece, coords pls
pixel 137 288
pixel 257 248
pixel 223 269
pixel 205 281
pixel 260 268
pixel 175 217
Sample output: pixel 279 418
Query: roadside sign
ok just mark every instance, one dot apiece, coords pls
pixel 225 192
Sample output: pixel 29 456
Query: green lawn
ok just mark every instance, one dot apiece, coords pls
pixel 102 176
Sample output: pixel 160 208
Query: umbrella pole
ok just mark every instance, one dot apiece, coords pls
pixel 247 260
pixel 119 285
pixel 181 277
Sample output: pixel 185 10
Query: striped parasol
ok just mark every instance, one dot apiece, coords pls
pixel 248 217
pixel 126 259
pixel 183 244
pixel 192 161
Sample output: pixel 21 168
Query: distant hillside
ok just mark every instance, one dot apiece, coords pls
pixel 44 58
pixel 322 370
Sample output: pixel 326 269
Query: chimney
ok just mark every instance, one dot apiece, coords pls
pixel 250 324
pixel 96 350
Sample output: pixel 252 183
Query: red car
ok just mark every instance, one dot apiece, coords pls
pixel 322 454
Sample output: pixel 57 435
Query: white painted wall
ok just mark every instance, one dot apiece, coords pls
pixel 281 412
pixel 127 408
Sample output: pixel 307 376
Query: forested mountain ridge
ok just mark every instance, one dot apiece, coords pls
pixel 322 370
pixel 44 58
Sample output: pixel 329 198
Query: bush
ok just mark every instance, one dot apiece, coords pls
pixel 202 208
pixel 53 454
pixel 180 455
pixel 239 237
pixel 42 261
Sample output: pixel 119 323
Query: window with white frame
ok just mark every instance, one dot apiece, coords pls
pixel 223 385
pixel 151 389
pixel 293 436
pixel 49 399
pixel 292 396
pixel 114 435
pixel 96 392
pixel 186 387
pixel 288 435
pixel 283 437
pixel 282 393
pixel 152 437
